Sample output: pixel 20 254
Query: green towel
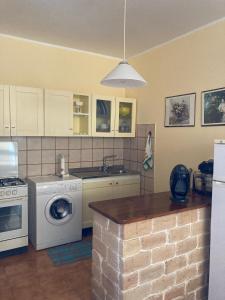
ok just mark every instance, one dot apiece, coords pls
pixel 148 160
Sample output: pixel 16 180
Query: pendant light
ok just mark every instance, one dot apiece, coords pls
pixel 124 75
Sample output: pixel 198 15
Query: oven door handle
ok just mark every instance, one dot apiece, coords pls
pixel 13 201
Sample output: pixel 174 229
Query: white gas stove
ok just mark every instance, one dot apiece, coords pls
pixel 13 200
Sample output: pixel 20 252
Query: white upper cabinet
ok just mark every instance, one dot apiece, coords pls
pixel 4 111
pixel 26 107
pixel 103 115
pixel 27 111
pixel 125 120
pixel 58 107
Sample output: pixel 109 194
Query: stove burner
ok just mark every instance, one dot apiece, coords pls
pixel 11 182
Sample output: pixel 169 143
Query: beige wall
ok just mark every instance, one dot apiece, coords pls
pixel 193 63
pixel 31 64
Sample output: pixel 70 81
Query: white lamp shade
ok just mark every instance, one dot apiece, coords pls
pixel 123 76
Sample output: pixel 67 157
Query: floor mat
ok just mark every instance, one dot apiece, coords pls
pixel 70 253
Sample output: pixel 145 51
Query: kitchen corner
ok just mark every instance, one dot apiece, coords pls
pixel 112 150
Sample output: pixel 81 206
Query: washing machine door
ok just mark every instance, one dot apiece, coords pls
pixel 59 210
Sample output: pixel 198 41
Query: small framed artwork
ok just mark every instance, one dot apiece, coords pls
pixel 180 110
pixel 213 107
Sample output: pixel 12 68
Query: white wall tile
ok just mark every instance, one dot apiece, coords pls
pixel 86 143
pixel 86 164
pixel 48 156
pixel 48 143
pixel 74 165
pixel 108 152
pixel 34 157
pixel 118 153
pixel 34 143
pixel 74 143
pixel 33 170
pixel 97 154
pixel 62 143
pixel 74 155
pixel 47 169
pixel 108 143
pixel 97 143
pixel 86 155
pixel 118 143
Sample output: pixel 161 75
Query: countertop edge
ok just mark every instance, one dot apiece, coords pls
pixel 147 217
pixel 122 220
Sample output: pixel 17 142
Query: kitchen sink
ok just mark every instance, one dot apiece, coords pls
pixel 115 172
pixel 86 173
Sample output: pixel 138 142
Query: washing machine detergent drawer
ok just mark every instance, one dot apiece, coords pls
pixel 59 188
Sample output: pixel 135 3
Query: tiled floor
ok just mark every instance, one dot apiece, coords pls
pixel 32 276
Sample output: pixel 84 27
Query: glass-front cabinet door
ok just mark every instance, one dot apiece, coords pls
pixel 103 116
pixel 81 115
pixel 125 117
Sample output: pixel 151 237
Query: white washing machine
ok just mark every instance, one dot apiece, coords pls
pixel 55 210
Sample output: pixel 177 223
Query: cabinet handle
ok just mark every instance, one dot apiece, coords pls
pixel 70 128
pixel 116 182
pixel 6 126
pixel 13 126
pixel 110 183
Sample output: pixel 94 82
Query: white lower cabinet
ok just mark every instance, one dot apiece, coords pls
pixel 107 188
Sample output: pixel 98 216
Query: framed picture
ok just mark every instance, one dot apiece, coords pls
pixel 180 110
pixel 213 107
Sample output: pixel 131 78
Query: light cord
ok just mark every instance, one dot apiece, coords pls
pixel 124 30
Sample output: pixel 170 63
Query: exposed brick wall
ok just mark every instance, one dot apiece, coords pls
pixel 164 258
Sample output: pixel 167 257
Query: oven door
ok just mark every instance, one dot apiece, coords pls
pixel 13 218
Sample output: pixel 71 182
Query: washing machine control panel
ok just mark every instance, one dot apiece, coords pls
pixel 72 187
pixel 60 187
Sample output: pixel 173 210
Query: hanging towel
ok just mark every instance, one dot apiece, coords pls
pixel 148 160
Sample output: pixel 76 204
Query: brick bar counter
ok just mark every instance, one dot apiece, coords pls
pixel 145 247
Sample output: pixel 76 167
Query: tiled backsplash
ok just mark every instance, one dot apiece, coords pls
pixel 134 152
pixel 39 155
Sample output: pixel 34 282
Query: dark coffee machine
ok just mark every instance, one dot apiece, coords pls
pixel 179 184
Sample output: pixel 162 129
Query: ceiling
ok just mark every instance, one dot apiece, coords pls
pixel 97 25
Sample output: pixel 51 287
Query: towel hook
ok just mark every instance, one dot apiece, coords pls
pixel 150 133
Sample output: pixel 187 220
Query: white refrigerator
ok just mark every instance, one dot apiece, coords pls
pixel 217 239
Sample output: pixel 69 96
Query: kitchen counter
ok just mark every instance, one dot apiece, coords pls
pixel 145 247
pixel 139 208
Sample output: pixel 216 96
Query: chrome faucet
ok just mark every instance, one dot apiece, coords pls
pixel 105 167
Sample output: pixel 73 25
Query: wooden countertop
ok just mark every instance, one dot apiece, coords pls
pixel 139 208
